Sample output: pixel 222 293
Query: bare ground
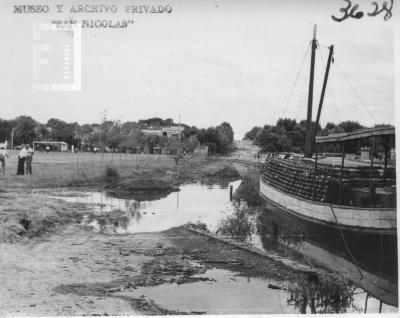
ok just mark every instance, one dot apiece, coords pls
pixel 77 272
pixel 51 265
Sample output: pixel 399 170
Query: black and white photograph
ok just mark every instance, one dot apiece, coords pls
pixel 198 157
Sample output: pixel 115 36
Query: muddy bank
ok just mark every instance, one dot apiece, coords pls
pixel 153 186
pixel 140 189
pixel 176 257
pixel 25 214
pixel 28 215
pixel 82 272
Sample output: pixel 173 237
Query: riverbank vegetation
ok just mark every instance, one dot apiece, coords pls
pixel 288 135
pixel 144 136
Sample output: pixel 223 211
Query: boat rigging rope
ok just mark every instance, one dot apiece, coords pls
pixel 297 77
pixel 345 243
pixel 355 91
pixel 302 99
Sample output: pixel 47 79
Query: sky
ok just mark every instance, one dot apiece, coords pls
pixel 206 62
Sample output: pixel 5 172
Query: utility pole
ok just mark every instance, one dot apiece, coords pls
pixel 12 138
pixel 179 125
pixel 321 100
pixel 309 133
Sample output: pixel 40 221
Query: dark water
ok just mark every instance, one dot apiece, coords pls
pixel 193 203
pixel 368 264
pixel 368 261
pixel 227 294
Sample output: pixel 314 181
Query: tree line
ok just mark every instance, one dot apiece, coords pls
pixel 116 135
pixel 288 135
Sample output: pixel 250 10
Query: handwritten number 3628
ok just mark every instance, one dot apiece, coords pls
pixel 351 11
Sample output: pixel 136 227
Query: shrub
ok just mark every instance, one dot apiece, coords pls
pixel 111 174
pixel 238 224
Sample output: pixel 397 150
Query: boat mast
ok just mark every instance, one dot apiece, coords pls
pixel 321 101
pixel 309 133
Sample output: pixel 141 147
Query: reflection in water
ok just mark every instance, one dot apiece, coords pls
pixel 368 267
pixel 228 293
pixel 193 203
pixel 327 294
pixel 369 261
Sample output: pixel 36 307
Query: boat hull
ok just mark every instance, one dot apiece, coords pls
pixel 369 260
pixel 375 220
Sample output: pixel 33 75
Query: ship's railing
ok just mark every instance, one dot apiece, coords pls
pixel 327 183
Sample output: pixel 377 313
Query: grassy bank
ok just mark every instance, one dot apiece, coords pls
pixel 26 212
pixel 87 169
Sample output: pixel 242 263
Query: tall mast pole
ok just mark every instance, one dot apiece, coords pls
pixel 308 144
pixel 321 101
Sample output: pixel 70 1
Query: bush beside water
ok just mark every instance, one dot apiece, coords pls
pixel 111 174
pixel 238 224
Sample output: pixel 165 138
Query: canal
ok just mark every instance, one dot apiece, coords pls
pixel 366 264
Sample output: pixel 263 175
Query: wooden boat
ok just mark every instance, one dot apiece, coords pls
pixel 360 259
pixel 348 194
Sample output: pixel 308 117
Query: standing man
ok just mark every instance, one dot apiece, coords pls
pixel 29 158
pixel 3 156
pixel 21 161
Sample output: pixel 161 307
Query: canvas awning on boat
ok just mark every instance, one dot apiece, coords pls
pixel 363 133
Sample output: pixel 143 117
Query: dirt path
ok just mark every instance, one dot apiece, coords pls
pixel 51 265
pixel 77 272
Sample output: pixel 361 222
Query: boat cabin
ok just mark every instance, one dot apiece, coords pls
pixel 364 182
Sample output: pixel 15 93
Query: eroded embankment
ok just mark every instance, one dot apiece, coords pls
pixel 76 272
pixel 174 257
pixel 30 212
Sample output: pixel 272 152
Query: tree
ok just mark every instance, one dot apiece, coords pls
pixel 61 131
pixel 225 137
pixel 286 123
pixel 131 143
pixel 6 127
pixel 189 131
pixel 174 145
pixel 42 131
pixel 252 134
pixel 349 126
pixel 218 139
pixel 25 130
pixel 191 143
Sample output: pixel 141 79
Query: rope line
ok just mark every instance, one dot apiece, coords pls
pixel 345 243
pixel 297 77
pixel 302 97
pixel 355 92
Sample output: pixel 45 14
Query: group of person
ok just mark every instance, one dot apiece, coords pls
pixel 25 158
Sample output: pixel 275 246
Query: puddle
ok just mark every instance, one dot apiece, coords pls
pixel 193 203
pixel 228 294
pixel 374 275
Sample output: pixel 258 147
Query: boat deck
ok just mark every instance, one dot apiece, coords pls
pixel 337 161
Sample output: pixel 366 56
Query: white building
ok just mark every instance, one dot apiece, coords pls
pixel 164 131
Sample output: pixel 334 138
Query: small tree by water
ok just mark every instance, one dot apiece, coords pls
pixel 238 224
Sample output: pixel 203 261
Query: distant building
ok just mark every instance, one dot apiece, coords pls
pixel 152 131
pixel 54 145
pixel 164 131
pixel 201 151
pixel 172 130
